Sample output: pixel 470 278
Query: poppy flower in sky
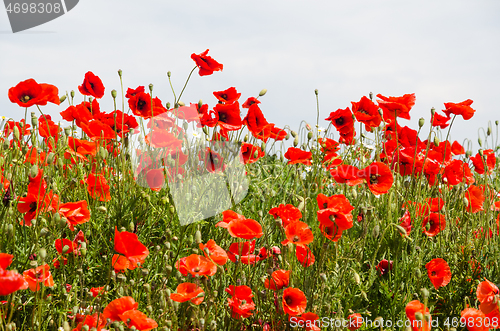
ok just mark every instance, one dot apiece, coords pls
pixel 196 265
pixel 188 292
pixel 279 279
pixel 462 108
pixel 10 281
pixel 487 160
pixel 228 116
pixel 215 252
pixel 98 187
pixel 249 102
pixel 287 213
pixel 29 93
pixel 396 106
pixel 439 272
pixel 342 120
pixel 240 302
pixel 367 113
pixel 92 86
pixel 440 120
pixel 475 320
pixel 437 223
pixel 294 301
pixel 296 155
pixel 239 226
pixel 355 321
pixel 127 244
pixel 37 276
pixel 304 255
pixel 255 120
pixel 411 309
pixel 75 212
pixel 378 177
pixel 206 64
pixel 298 233
pixel 227 96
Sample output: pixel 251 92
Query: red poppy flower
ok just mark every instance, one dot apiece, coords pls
pixel 296 155
pixel 206 64
pixel 91 322
pixel 213 161
pixel 10 281
pixel 239 226
pixel 331 232
pixel 121 263
pixel 457 149
pixel 298 233
pixel 228 116
pixel 29 93
pixel 250 153
pixel 347 174
pixel 462 108
pixel 355 321
pixel 115 309
pixel 287 214
pixel 250 101
pixel 142 105
pixel 440 120
pixel 342 120
pixel 294 301
pixel 155 179
pixel 21 126
pixel 98 187
pixel 488 159
pixel 309 321
pixel 244 252
pixel 92 85
pixel 75 212
pixel 367 113
pixel 414 307
pixel 139 320
pixel 396 106
pixel 405 222
pixel 96 291
pixel 475 320
pixel 279 279
pixel 241 302
pixel 439 272
pixel 61 244
pixel 196 265
pixel 304 255
pixel 378 177
pixel 384 266
pixel 456 171
pixel 475 197
pixel 119 121
pixel 227 96
pixel 255 120
pixel 188 292
pixel 330 216
pixel 37 276
pixel 214 252
pixel 128 244
pixel 437 223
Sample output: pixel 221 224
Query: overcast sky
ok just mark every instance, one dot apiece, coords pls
pixel 443 51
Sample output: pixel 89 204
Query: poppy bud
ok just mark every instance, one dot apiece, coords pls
pixel 113 94
pixel 421 122
pixel 293 133
pixel 479 140
pixel 381 112
pixel 282 158
pixel 295 141
pixel 323 277
pixel 419 316
pixel 131 226
pixel 190 239
pixel 425 293
pixel 102 208
pixel 205 130
pixel 363 294
pixel 245 139
pixel 427 317
pixel 488 131
pixel 356 278
pixel 43 253
pixel 436 141
pixel 50 158
pixel 10 230
pixel 197 237
pixel 308 127
pixel 378 322
pixel 262 92
pixel 316 91
pixel 402 230
pixel 61 99
pixel 263 146
pixel 376 231
pixel 17 134
pixel 103 152
pixel 34 121
pixel 180 103
pixel 468 154
pixel 34 171
pixel 167 105
pixel 150 88
pixel 309 135
pixel 185 126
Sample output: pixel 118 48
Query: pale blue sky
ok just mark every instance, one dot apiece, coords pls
pixel 444 51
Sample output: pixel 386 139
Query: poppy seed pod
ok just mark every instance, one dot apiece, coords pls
pixel 433 111
pixel 262 92
pixel 34 171
pixel 34 121
pixel 150 87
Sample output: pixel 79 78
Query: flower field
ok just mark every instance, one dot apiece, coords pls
pixel 205 216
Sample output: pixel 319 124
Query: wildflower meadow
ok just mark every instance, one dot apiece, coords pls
pixel 202 215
